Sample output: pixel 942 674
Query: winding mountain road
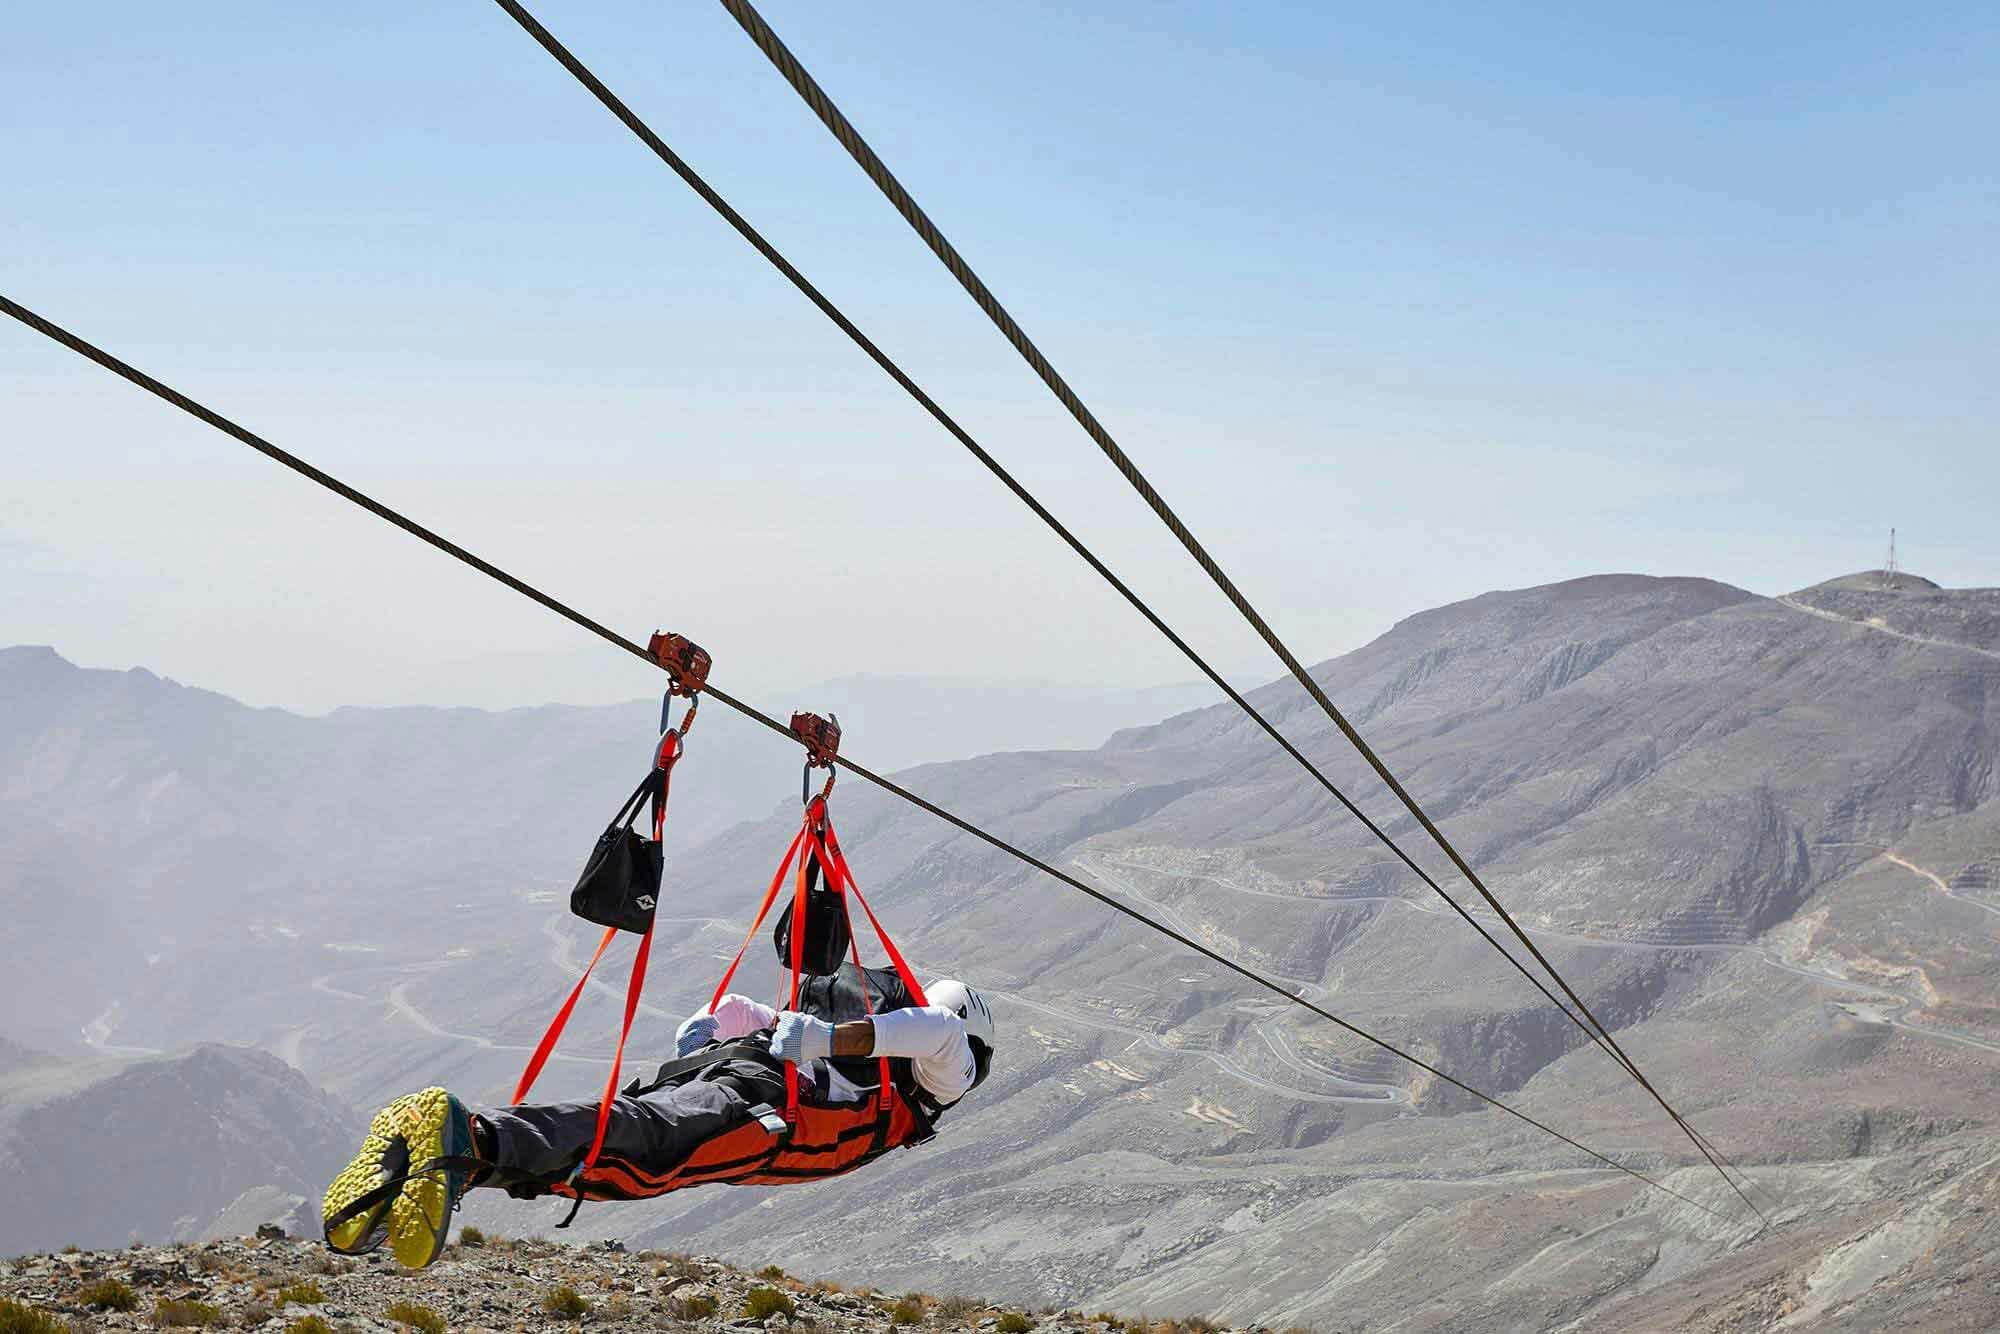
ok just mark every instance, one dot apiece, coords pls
pixel 1877 1004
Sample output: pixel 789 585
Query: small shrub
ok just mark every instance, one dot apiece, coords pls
pixel 765 1302
pixel 255 1314
pixel 309 1324
pixel 471 1236
pixel 957 1307
pixel 412 1315
pixel 619 1307
pixel 1014 1323
pixel 72 1249
pixel 566 1303
pixel 771 1272
pixel 909 1311
pixel 186 1315
pixel 108 1294
pixel 698 1307
pixel 20 1318
pixel 1199 1325
pixel 306 1293
pixel 677 1266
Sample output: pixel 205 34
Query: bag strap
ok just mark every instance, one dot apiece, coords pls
pixel 770 897
pixel 628 810
pixel 547 1045
pixel 659 782
pixel 837 862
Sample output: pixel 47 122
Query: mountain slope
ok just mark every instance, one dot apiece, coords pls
pixel 158 1148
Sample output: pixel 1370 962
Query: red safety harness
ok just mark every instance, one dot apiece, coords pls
pixel 809 1140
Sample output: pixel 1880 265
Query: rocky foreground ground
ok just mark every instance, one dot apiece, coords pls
pixel 272 1283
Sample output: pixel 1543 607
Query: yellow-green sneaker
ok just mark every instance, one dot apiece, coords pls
pixel 405 1182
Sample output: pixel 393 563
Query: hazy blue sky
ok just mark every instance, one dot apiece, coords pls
pixel 1397 303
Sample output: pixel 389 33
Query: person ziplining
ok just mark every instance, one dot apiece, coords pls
pixel 854 1062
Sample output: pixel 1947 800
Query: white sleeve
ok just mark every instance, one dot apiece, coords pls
pixel 737 1016
pixel 933 1040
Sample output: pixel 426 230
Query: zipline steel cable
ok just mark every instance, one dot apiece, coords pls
pixel 159 389
pixel 1597 1032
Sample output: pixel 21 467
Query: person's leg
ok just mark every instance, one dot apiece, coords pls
pixel 543 1143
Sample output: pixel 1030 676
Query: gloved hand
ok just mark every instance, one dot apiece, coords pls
pixel 801 1038
pixel 695 1034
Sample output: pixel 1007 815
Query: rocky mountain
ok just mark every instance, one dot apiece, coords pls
pixel 1758 834
pixel 214 1140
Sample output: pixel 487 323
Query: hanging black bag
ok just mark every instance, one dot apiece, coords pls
pixel 828 938
pixel 620 884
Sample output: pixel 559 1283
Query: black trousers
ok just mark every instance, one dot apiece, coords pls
pixel 537 1144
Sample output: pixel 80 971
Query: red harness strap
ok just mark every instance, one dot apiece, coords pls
pixel 838 860
pixel 669 754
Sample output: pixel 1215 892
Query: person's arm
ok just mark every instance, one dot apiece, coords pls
pixel 739 1016
pixel 932 1039
pixel 734 1017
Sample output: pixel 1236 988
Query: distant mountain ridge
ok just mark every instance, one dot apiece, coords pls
pixel 160 1148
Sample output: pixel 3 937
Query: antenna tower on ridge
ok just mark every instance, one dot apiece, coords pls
pixel 1890 568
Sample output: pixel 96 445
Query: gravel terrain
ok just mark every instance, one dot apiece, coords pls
pixel 269 1282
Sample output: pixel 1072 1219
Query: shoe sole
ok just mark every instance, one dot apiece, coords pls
pixel 420 1215
pixel 383 1155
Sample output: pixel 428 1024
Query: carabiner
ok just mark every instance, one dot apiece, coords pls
pixel 805 783
pixel 667 713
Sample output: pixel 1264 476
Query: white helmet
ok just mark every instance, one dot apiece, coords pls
pixel 971 1007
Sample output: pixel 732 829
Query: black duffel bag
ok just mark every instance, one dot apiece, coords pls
pixel 620 884
pixel 827 935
